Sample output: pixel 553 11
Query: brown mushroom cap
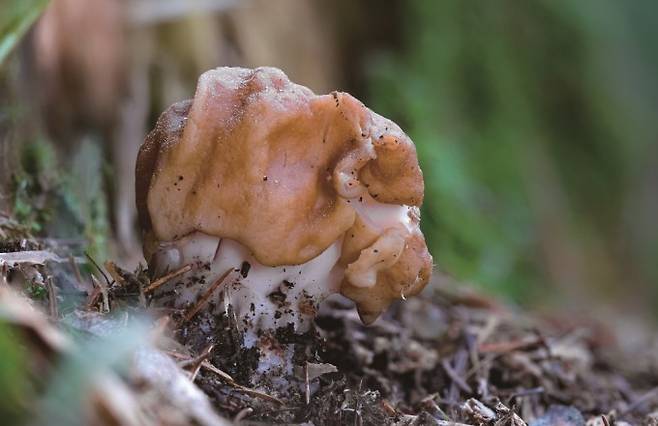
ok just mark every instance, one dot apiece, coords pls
pixel 260 160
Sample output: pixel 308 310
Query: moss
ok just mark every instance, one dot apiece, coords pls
pixel 36 291
pixel 49 200
pixel 33 184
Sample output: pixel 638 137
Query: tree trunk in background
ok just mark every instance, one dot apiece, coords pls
pixel 293 35
pixel 7 159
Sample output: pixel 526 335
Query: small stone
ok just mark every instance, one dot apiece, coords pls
pixel 560 415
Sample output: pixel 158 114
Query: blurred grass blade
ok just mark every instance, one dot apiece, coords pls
pixel 70 385
pixel 16 17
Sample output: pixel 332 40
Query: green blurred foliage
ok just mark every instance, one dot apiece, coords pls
pixel 535 145
pixel 31 184
pixel 16 391
pixel 85 196
pixel 55 202
pixel 16 17
pixel 70 385
pixel 56 391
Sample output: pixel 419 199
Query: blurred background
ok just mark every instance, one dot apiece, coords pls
pixel 535 122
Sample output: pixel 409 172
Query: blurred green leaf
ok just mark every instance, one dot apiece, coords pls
pixel 68 390
pixel 13 377
pixel 16 17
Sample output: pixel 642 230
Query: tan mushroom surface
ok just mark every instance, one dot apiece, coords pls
pixel 313 191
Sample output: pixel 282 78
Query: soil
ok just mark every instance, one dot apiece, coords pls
pixel 434 359
pixel 437 359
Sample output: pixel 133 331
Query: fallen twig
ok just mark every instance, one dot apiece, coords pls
pixel 652 394
pixel 505 347
pixel 76 270
pixel 162 280
pixel 38 257
pixel 103 292
pixel 230 380
pixel 52 298
pixel 4 269
pixel 204 298
pixel 196 362
pixel 307 387
pixel 457 380
pixel 244 389
pixel 243 414
pixel 112 270
pixel 93 262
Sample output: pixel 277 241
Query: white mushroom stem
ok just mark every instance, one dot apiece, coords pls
pixel 264 297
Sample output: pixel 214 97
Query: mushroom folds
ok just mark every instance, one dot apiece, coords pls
pixel 310 191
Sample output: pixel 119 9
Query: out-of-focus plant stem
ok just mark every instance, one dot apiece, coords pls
pixel 16 17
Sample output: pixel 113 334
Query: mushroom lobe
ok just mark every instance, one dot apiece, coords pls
pixel 285 175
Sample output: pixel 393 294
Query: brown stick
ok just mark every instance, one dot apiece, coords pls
pixel 506 347
pixel 307 386
pixel 103 292
pixel 228 379
pixel 243 414
pixel 93 262
pixel 196 362
pixel 454 376
pixel 52 298
pixel 76 270
pixel 196 308
pixel 162 280
pixel 111 269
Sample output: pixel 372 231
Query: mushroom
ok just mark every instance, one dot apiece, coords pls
pixel 277 198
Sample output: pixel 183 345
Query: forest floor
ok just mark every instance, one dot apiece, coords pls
pixel 438 359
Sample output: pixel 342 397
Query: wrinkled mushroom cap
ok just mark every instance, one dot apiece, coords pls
pixel 265 162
